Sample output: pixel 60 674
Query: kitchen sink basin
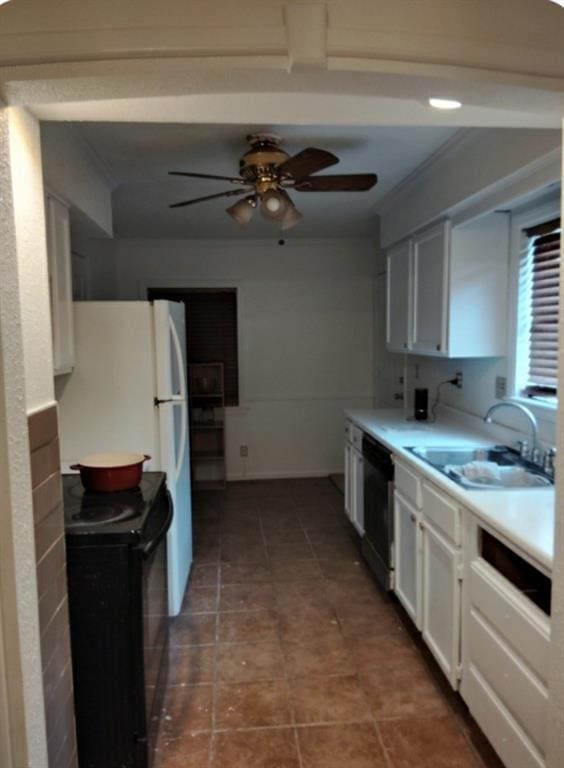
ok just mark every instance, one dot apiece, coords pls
pixel 484 467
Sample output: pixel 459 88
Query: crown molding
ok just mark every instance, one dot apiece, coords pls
pixel 417 176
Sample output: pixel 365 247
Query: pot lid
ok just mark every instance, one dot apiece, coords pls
pixel 111 460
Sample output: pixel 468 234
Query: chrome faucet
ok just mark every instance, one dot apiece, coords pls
pixel 530 415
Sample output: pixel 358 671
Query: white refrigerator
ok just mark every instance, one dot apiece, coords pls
pixel 128 392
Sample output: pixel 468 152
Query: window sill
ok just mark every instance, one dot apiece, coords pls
pixel 543 411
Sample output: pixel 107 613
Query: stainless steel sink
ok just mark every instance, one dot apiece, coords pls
pixel 514 471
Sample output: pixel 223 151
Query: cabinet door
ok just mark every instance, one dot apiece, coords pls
pixel 441 601
pixel 398 297
pixel 430 289
pixel 407 550
pixel 60 282
pixel 358 495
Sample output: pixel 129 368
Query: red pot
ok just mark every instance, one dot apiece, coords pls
pixel 111 471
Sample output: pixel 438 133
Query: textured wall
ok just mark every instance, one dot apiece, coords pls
pixel 29 214
pixel 18 590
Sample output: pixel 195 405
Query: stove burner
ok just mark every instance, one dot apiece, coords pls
pixel 97 514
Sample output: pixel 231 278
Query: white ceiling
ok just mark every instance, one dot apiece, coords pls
pixel 139 156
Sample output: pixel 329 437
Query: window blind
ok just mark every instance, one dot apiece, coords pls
pixel 543 263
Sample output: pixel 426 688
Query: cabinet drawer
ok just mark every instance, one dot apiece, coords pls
pixel 443 512
pixel 510 743
pixel 516 687
pixel 522 625
pixel 407 483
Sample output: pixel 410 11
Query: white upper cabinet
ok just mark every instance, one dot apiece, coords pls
pixel 430 287
pixel 398 317
pixel 447 290
pixel 60 284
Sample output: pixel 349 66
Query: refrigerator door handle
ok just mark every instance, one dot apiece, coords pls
pixel 180 398
pixel 173 399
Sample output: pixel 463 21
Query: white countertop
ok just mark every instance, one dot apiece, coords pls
pixel 525 517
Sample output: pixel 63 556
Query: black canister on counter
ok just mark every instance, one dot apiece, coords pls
pixel 421 404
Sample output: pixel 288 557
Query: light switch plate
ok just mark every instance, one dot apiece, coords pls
pixel 500 387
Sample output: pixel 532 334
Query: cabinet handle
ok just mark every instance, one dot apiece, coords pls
pixel 405 344
pixel 413 518
pixel 438 347
pixel 421 526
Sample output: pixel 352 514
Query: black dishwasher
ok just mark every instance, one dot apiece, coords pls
pixel 378 510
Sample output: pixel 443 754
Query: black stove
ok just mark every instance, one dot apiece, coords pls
pixel 118 609
pixel 121 515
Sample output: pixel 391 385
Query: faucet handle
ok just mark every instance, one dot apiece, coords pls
pixel 548 461
pixel 524 449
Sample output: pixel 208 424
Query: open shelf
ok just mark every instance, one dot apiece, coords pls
pixel 207 425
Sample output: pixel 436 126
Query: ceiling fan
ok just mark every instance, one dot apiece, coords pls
pixel 266 172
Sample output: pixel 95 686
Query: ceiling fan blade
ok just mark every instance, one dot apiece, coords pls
pixel 353 182
pixel 232 179
pixel 306 162
pixel 229 193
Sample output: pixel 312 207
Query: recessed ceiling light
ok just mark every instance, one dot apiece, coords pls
pixel 558 2
pixel 4 1
pixel 445 103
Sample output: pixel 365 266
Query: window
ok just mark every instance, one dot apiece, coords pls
pixel 211 330
pixel 536 360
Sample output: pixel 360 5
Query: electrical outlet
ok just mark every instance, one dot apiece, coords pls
pixel 459 378
pixel 243 451
pixel 500 387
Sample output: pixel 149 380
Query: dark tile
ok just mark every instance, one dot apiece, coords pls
pixel 248 626
pixel 245 662
pixel 326 656
pixel 368 653
pixel 268 748
pixel 287 534
pixel 195 665
pixel 193 629
pixel 308 624
pixel 317 699
pixel 246 597
pixel 427 743
pixel 404 688
pixel 200 600
pixel 372 621
pixel 243 553
pixel 190 750
pixel 355 745
pixel 204 575
pixel 187 708
pixel 286 553
pixel 245 573
pixel 294 570
pixel 252 705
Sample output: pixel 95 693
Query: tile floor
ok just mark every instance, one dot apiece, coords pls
pixel 287 655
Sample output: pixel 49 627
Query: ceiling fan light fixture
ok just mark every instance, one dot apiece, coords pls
pixel 273 205
pixel 242 211
pixel 291 218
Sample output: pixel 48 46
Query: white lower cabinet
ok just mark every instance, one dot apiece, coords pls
pixel 428 566
pixel 354 477
pixel 505 648
pixel 442 600
pixel 407 551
